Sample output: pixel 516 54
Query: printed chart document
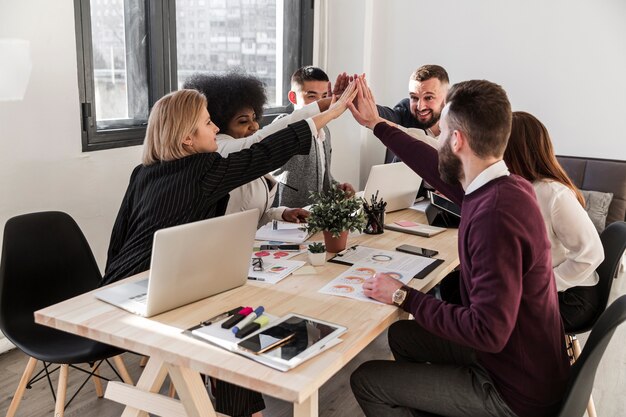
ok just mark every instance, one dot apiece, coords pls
pixel 308 337
pixel 350 283
pixel 419 229
pixel 410 265
pixel 283 232
pixel 272 270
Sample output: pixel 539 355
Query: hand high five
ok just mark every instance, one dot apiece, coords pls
pixel 365 111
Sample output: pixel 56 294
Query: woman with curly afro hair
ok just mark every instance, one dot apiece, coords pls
pixel 235 102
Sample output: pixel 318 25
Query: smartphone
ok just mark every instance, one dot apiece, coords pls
pixel 280 247
pixel 416 250
pixel 268 339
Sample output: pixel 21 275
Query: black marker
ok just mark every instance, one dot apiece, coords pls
pixel 221 316
pixel 236 318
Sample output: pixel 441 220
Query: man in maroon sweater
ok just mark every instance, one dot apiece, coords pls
pixel 501 352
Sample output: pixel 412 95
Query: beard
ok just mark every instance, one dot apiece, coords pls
pixel 434 118
pixel 450 166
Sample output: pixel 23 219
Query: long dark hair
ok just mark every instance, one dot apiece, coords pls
pixel 530 154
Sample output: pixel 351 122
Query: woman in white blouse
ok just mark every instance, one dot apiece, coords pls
pixel 235 102
pixel 576 247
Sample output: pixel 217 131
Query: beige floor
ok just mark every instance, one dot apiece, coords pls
pixel 336 399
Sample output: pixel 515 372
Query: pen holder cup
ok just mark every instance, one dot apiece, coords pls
pixel 375 222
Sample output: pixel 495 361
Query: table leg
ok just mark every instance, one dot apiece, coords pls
pixel 144 398
pixel 307 408
pixel 151 380
pixel 191 391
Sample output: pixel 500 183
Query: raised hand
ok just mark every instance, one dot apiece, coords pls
pixel 365 111
pixel 337 106
pixel 341 83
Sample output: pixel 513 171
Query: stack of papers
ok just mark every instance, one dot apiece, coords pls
pixel 283 232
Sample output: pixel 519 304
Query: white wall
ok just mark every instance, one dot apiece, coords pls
pixel 41 163
pixel 562 60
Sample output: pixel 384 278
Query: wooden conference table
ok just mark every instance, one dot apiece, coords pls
pixel 184 358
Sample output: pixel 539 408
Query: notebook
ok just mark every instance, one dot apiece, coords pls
pixel 413 228
pixel 396 183
pixel 190 262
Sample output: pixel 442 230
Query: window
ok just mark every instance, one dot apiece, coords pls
pixel 132 52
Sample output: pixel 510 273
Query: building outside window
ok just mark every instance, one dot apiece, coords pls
pixel 132 52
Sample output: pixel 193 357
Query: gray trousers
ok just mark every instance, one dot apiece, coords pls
pixel 431 376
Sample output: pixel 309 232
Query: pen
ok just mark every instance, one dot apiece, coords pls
pixel 236 318
pixel 248 319
pixel 255 325
pixel 343 252
pixel 288 186
pixel 256 279
pixel 220 316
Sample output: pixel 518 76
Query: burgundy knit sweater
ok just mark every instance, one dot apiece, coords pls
pixel 509 312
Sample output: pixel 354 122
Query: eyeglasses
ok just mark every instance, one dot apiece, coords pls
pixel 257 264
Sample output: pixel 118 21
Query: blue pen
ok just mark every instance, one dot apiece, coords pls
pixel 249 318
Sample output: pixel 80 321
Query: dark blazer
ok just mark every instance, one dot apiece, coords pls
pixel 189 189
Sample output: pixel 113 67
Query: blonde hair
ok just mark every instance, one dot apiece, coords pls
pixel 172 119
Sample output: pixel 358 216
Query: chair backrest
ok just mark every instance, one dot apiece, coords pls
pixel 45 259
pixel 584 369
pixel 614 243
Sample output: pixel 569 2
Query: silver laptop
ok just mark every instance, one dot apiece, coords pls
pixel 396 183
pixel 190 262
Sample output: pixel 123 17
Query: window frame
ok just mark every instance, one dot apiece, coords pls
pixel 162 65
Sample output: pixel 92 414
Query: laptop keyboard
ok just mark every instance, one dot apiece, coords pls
pixel 140 298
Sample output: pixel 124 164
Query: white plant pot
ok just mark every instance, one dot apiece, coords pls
pixel 317 259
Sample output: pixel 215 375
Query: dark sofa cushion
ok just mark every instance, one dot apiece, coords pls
pixel 604 175
pixel 597 207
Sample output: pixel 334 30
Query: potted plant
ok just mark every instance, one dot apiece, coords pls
pixel 317 253
pixel 335 215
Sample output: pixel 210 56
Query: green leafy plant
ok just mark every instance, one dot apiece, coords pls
pixel 317 247
pixel 333 212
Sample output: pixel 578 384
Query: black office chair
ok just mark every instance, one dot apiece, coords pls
pixel 46 259
pixel 584 369
pixel 614 243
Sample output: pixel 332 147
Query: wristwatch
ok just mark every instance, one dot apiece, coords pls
pixel 399 296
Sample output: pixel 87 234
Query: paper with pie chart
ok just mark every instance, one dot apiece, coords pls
pixel 350 283
pixel 412 265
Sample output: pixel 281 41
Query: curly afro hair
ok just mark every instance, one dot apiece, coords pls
pixel 228 93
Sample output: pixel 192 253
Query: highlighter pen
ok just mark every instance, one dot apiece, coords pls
pixel 256 313
pixel 255 325
pixel 236 318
